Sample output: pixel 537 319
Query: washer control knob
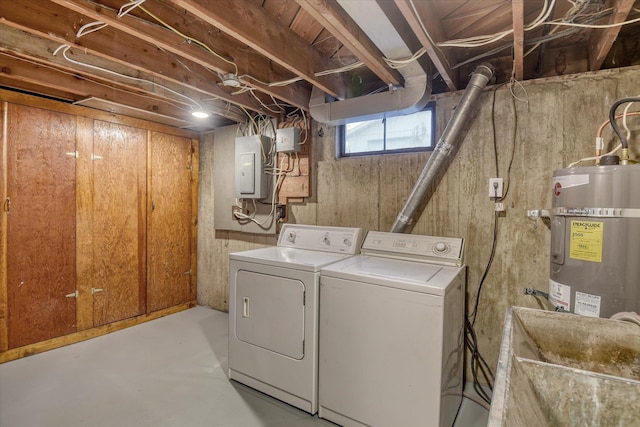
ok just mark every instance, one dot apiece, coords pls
pixel 441 248
pixel 326 240
pixel 347 241
pixel 291 237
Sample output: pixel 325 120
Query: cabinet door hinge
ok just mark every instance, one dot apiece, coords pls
pixel 72 295
pixel 7 205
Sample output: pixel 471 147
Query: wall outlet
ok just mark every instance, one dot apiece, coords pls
pixel 495 187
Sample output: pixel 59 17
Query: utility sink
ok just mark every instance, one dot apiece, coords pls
pixel 559 369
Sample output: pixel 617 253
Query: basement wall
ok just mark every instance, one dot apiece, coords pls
pixel 554 127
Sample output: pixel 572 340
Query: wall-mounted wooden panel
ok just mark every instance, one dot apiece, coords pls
pixel 170 223
pixel 119 221
pixel 40 225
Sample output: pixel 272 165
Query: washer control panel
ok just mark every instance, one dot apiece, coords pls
pixel 441 250
pixel 317 238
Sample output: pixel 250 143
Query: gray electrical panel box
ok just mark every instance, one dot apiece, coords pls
pixel 288 140
pixel 251 180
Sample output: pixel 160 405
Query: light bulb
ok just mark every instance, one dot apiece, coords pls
pixel 200 114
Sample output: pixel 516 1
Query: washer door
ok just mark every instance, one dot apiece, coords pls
pixel 270 313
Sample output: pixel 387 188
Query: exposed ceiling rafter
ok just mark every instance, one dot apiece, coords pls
pixel 331 16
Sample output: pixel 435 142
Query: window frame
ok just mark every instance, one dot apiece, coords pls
pixel 342 130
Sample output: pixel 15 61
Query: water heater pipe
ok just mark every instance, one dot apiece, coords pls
pixel 446 145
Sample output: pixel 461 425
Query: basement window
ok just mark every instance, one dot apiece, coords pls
pixel 398 134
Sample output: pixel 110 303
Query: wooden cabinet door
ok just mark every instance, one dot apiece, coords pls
pixel 169 239
pixel 41 232
pixel 118 223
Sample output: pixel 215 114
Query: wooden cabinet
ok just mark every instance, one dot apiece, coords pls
pixel 40 225
pixel 99 224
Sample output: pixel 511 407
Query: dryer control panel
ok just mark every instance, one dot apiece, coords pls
pixel 433 249
pixel 317 238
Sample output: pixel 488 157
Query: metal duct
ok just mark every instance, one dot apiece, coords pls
pixel 411 98
pixel 448 142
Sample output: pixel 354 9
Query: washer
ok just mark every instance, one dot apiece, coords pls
pixel 391 333
pixel 273 310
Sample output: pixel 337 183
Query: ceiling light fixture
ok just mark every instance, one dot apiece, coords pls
pixel 200 114
pixel 230 80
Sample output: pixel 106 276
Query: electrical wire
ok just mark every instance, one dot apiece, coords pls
pixel 65 48
pixel 513 148
pixel 612 119
pixel 80 76
pixel 627 316
pixel 189 38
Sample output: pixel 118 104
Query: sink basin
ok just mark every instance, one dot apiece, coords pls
pixel 559 369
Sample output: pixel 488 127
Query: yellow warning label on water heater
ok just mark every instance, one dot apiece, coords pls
pixel 586 240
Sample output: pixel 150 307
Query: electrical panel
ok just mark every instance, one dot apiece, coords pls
pixel 288 140
pixel 251 180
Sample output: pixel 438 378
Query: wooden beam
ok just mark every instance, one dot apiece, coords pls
pixel 249 23
pixel 517 8
pixel 22 72
pixel 34 48
pixel 38 33
pixel 248 62
pixel 344 28
pixel 440 59
pixel 602 39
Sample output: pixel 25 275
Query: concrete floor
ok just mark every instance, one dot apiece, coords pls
pixel 168 372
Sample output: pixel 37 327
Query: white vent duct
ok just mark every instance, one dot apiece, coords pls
pixel 405 100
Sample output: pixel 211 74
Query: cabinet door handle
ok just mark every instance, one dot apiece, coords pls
pixel 72 295
pixel 96 290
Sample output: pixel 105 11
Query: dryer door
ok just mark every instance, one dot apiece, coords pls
pixel 270 312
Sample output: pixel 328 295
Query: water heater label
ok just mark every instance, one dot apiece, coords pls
pixel 559 295
pixel 587 304
pixel 586 240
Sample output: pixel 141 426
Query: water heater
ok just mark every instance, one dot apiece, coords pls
pixel 595 240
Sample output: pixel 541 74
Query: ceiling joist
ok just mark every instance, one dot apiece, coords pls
pixel 517 7
pixel 331 16
pixel 440 59
pixel 247 22
pixel 602 39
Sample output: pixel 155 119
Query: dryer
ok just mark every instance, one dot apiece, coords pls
pixel 391 333
pixel 273 310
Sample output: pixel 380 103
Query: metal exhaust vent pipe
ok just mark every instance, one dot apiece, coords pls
pixel 448 143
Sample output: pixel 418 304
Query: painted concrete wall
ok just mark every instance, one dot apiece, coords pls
pixel 554 127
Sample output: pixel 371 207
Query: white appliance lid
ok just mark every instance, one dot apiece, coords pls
pixel 399 274
pixel 299 259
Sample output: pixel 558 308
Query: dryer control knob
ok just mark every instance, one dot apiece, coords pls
pixel 291 237
pixel 326 240
pixel 441 248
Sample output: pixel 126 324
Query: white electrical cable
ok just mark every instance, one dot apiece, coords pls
pixel 586 159
pixel 346 68
pixel 128 7
pixel 627 316
pixel 593 26
pixel 477 41
pixel 90 28
pixel 65 48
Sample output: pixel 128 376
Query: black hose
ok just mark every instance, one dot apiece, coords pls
pixel 612 119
